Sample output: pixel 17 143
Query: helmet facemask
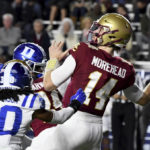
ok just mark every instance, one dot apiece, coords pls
pixel 36 67
pixel 97 32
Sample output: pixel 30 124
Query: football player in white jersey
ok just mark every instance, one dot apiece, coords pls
pixel 35 57
pixel 18 105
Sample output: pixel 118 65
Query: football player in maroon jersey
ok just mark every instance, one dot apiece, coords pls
pixel 92 67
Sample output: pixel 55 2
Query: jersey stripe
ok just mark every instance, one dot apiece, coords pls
pixel 33 100
pixel 25 101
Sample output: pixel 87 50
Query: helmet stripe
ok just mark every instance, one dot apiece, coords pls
pixel 7 72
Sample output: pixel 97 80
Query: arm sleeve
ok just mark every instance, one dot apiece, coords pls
pixel 62 115
pixel 133 93
pixel 63 72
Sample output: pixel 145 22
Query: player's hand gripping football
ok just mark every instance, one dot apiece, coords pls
pixel 77 99
pixel 55 51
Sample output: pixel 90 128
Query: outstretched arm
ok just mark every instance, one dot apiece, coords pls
pixel 135 94
pixel 58 117
pixel 146 96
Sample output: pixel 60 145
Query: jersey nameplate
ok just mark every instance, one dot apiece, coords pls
pixel 115 70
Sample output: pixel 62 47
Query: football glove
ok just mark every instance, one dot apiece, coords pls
pixel 77 99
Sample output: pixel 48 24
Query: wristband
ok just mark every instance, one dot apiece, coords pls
pixel 51 64
pixel 75 104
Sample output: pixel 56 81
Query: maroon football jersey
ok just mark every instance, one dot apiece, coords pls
pixel 100 75
pixel 52 98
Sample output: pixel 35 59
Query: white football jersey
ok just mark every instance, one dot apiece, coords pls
pixel 15 118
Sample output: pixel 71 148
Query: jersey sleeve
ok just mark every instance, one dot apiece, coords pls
pixel 62 73
pixel 39 102
pixel 78 51
pixel 131 79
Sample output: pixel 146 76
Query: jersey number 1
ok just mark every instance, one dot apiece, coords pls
pixel 102 94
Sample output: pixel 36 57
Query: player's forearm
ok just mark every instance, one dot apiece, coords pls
pixel 51 65
pixel 56 117
pixel 62 115
pixel 48 84
pixel 146 96
pixel 59 117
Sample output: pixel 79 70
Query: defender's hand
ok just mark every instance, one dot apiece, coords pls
pixel 77 99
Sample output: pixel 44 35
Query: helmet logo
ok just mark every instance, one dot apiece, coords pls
pixel 28 52
pixel 32 54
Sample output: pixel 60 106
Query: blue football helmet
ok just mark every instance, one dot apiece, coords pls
pixel 33 54
pixel 15 74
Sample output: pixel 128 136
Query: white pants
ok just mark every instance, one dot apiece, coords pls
pixel 11 147
pixel 82 131
pixel 5 143
pixel 8 142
